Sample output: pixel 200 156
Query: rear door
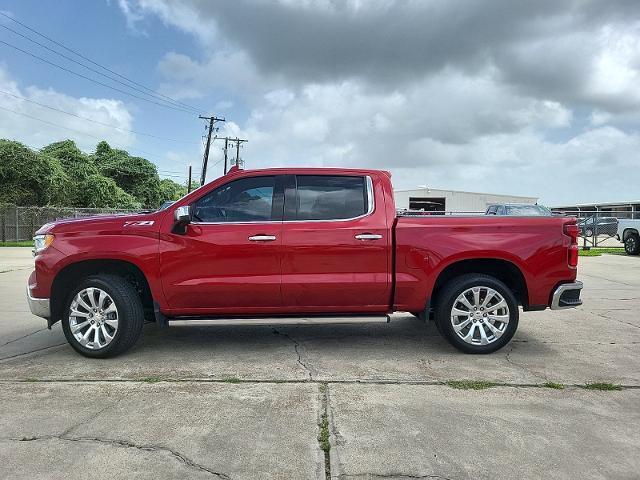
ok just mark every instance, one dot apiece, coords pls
pixel 336 245
pixel 228 261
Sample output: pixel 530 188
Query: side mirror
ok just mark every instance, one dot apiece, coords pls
pixel 182 217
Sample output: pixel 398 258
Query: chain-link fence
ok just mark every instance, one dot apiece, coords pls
pixel 20 223
pixel 600 228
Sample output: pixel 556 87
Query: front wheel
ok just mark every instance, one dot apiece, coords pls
pixel 477 313
pixel 632 244
pixel 103 316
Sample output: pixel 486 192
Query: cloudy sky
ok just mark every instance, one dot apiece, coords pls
pixel 537 98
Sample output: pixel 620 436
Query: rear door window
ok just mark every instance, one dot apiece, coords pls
pixel 327 197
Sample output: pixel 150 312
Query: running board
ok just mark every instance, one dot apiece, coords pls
pixel 207 322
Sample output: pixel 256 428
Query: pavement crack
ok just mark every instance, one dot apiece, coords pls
pixel 324 427
pixel 32 351
pixel 296 347
pixel 602 315
pixel 23 336
pixel 516 364
pixel 128 444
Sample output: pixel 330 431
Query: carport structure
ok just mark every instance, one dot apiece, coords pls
pixel 630 209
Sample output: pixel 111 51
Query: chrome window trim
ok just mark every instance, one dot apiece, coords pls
pixel 371 204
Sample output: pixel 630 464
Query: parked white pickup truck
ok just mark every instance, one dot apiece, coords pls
pixel 628 234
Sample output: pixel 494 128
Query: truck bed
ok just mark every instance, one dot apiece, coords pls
pixel 427 244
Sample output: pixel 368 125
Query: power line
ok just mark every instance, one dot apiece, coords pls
pixel 73 130
pixel 75 52
pixel 92 79
pixel 92 120
pixel 94 70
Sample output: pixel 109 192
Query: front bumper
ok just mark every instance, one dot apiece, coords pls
pixel 39 306
pixel 567 295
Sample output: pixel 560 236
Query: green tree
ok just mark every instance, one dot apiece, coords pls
pixel 137 176
pixel 25 176
pixel 171 190
pixel 101 192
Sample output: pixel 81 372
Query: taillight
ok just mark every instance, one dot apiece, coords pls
pixel 572 231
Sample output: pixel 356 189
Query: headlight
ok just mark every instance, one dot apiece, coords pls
pixel 40 242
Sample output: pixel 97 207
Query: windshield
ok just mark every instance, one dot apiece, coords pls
pixel 528 210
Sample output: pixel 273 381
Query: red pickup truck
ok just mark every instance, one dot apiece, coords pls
pixel 299 245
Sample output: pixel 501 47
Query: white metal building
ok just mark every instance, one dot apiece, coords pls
pixel 430 199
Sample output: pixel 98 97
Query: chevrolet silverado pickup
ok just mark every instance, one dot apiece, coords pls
pixel 299 246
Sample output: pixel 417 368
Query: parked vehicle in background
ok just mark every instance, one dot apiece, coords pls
pixel 166 204
pixel 518 210
pixel 299 245
pixel 629 234
pixel 596 225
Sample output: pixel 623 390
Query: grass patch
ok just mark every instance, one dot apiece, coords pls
pixel 589 253
pixel 26 243
pixel 470 384
pixel 151 379
pixel 601 386
pixel 323 436
pixel 230 379
pixel 555 386
pixel 596 252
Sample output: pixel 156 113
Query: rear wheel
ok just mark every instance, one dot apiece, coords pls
pixel 632 244
pixel 477 313
pixel 103 316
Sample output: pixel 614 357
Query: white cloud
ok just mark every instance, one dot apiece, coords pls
pixel 24 127
pixel 538 98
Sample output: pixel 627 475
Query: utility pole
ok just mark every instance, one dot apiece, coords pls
pixel 238 141
pixel 205 159
pixel 189 181
pixel 226 146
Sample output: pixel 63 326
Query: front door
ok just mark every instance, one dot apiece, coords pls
pixel 229 259
pixel 336 245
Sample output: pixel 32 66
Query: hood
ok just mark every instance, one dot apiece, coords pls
pixel 102 222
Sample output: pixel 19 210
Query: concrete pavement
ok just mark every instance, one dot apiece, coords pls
pixel 246 402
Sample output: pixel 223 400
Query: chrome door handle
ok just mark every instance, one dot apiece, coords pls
pixel 368 236
pixel 262 238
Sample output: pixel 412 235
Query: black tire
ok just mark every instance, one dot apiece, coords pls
pixel 588 233
pixel 632 244
pixel 447 298
pixel 130 315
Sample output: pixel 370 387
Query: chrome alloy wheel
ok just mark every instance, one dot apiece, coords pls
pixel 480 315
pixel 93 318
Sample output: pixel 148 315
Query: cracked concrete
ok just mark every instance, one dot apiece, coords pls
pixel 123 443
pixel 390 416
pixel 230 431
pixel 296 347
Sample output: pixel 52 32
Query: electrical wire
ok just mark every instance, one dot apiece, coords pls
pixel 93 69
pixel 92 79
pixel 75 52
pixel 92 120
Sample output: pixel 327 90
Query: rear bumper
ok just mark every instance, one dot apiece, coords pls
pixel 38 306
pixel 567 295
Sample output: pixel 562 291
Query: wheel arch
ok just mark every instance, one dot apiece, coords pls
pixel 71 274
pixel 504 270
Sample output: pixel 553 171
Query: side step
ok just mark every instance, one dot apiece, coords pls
pixel 201 322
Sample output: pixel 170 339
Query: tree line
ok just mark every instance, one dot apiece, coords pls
pixel 60 174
